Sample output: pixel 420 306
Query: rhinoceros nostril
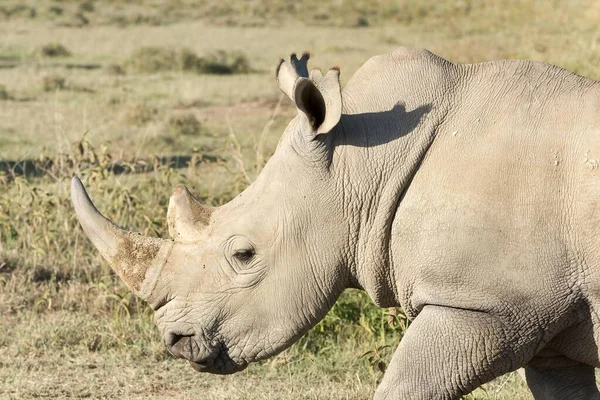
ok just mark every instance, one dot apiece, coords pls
pixel 174 338
pixel 179 345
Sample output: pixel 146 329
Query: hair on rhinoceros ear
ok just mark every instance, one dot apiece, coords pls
pixel 186 216
pixel 138 260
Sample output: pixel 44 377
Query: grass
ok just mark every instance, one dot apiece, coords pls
pixel 54 50
pixel 157 59
pixel 4 95
pixel 153 93
pixel 139 114
pixel 184 124
pixel 53 82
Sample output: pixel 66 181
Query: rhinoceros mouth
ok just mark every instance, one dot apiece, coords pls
pixel 218 362
pixel 219 367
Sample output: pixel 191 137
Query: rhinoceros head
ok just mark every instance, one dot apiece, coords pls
pixel 243 281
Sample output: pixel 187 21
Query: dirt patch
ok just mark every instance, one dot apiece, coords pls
pixel 134 255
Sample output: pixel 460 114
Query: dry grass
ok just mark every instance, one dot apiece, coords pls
pixel 153 59
pixel 4 95
pixel 184 124
pixel 54 50
pixel 223 62
pixel 158 59
pixel 69 327
pixel 53 82
pixel 139 114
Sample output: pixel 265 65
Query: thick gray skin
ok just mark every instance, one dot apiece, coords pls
pixel 466 194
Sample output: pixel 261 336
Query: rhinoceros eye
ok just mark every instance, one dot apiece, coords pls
pixel 244 255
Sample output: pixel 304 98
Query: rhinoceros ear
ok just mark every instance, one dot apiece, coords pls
pixel 186 216
pixel 320 100
pixel 288 73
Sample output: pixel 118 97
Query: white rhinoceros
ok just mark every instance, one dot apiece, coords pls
pixel 469 195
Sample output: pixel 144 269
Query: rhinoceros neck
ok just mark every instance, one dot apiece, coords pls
pixel 388 128
pixel 374 181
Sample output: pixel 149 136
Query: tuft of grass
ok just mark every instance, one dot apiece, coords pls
pixel 188 60
pixel 56 10
pixel 54 50
pixel 53 82
pixel 87 6
pixel 184 124
pixel 159 59
pixel 139 114
pixel 153 59
pixel 4 95
pixel 114 69
pixel 362 22
pixel 224 63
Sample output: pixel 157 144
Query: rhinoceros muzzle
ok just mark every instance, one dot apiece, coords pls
pixel 214 359
pixel 227 368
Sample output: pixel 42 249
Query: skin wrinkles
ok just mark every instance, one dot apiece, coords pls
pixel 570 193
pixel 370 212
pixel 362 200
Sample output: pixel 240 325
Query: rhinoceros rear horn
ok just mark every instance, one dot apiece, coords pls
pixel 186 216
pixel 138 260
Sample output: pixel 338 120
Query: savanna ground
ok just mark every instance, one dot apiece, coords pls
pixel 138 97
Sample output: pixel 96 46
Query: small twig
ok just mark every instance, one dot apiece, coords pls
pixel 260 155
pixel 236 150
pixel 137 153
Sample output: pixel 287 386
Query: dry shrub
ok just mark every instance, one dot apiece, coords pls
pixel 54 50
pixel 362 22
pixel 184 124
pixel 87 6
pixel 157 59
pixel 18 11
pixel 139 114
pixel 4 93
pixel 56 10
pixel 153 59
pixel 9 261
pixel 53 82
pixel 114 69
pixel 188 60
pixel 224 63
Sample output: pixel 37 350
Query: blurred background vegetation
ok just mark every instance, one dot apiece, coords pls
pixel 136 97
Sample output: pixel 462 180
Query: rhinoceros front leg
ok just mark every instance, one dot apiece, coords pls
pixel 447 353
pixel 573 382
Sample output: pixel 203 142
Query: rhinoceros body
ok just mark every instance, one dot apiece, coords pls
pixel 466 194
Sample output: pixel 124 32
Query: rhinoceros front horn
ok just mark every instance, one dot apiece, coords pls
pixel 138 260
